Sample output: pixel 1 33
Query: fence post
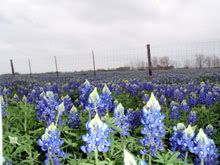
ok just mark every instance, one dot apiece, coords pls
pixel 149 60
pixel 55 58
pixel 93 59
pixel 12 67
pixel 29 63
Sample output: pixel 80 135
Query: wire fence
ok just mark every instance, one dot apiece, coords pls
pixel 190 55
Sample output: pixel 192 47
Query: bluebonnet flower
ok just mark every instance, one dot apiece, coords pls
pixel 68 104
pixel 145 98
pixel 121 120
pixel 192 118
pixel 182 139
pixel 178 95
pixel 174 112
pixel 209 130
pixel 84 91
pixel 97 136
pixel 73 118
pixel 209 100
pixel 106 103
pixel 193 100
pixel 153 131
pixel 15 98
pixel 184 106
pixel 47 107
pixel 133 118
pixel 102 104
pixel 205 149
pixel 163 100
pixel 129 158
pixel 51 144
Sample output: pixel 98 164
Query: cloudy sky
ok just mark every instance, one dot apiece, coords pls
pixel 117 30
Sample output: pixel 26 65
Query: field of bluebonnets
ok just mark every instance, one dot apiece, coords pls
pixel 118 118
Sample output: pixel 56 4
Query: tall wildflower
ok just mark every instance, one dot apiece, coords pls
pixel 106 103
pixel 47 107
pixel 153 127
pixel 182 138
pixel 97 137
pixel 205 149
pixel 51 144
pixel 121 120
pixel 73 118
pixel 84 91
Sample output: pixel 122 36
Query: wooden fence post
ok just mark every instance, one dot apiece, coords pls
pixel 55 58
pixel 149 60
pixel 29 63
pixel 12 67
pixel 93 59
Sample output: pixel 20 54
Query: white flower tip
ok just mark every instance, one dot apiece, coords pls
pixel 94 96
pixel 129 158
pixel 73 109
pixel 119 109
pixel 181 126
pixel 153 104
pixel 61 107
pixel 106 89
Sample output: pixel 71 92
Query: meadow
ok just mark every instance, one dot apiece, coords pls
pixel 116 118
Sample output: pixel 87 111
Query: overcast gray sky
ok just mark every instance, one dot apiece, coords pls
pixel 70 29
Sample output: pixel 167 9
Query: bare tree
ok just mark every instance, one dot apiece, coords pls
pixel 164 61
pixel 208 61
pixel 215 61
pixel 186 63
pixel 155 61
pixel 199 60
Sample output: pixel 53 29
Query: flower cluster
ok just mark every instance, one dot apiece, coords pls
pixel 192 118
pixel 47 107
pixel 185 139
pixel 102 104
pixel 174 110
pixel 97 136
pixel 153 131
pixel 51 144
pixel 73 118
pixel 182 138
pixel 84 91
pixel 205 149
pixel 121 120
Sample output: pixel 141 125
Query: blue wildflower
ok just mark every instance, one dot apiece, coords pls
pixel 51 144
pixel 47 107
pixel 73 118
pixel 174 112
pixel 97 136
pixel 205 149
pixel 153 131
pixel 209 130
pixel 192 118
pixel 182 139
pixel 121 120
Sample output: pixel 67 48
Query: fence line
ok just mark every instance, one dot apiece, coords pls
pixel 197 54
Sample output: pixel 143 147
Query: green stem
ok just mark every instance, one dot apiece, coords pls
pixel 25 120
pixel 90 115
pixel 186 157
pixel 96 156
pixel 50 157
pixel 149 161
pixel 202 162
